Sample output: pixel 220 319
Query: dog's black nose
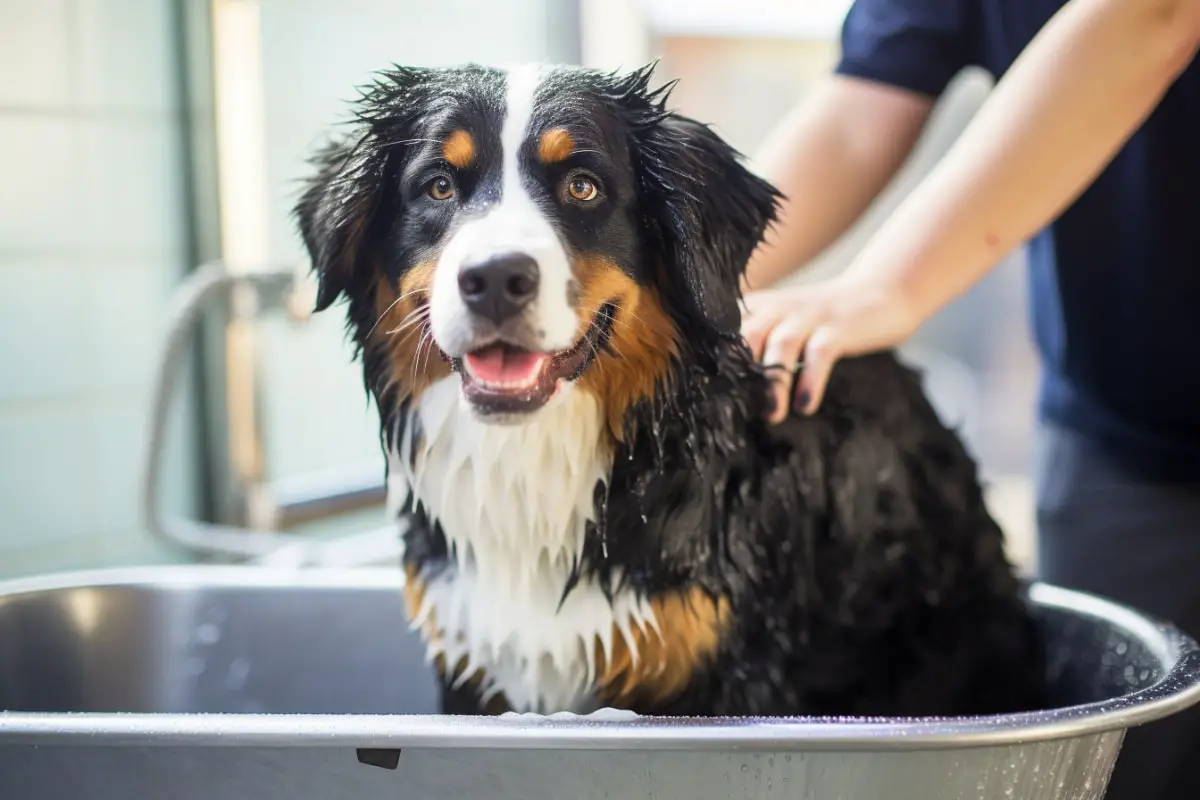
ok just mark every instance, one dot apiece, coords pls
pixel 500 286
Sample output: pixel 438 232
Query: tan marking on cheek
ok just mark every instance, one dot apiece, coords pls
pixel 643 339
pixel 555 145
pixel 459 149
pixel 403 331
pixel 691 624
pixel 434 636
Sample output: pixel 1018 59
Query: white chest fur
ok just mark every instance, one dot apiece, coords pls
pixel 513 503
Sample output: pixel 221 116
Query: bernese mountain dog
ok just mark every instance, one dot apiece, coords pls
pixel 541 269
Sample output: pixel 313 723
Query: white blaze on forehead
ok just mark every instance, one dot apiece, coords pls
pixel 522 85
pixel 515 224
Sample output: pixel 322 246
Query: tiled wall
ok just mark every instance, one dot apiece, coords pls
pixel 91 243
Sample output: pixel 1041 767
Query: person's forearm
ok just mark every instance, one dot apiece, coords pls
pixel 1068 104
pixel 830 158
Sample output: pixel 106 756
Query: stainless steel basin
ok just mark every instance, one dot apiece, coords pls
pixel 243 682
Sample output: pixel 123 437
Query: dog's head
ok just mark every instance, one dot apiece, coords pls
pixel 537 231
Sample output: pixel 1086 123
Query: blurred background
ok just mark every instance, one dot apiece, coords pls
pixel 140 139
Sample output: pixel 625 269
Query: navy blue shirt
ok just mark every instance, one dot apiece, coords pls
pixel 1115 280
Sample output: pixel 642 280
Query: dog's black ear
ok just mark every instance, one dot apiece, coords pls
pixel 335 212
pixel 340 202
pixel 707 210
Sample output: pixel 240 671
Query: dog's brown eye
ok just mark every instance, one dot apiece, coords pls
pixel 441 189
pixel 582 189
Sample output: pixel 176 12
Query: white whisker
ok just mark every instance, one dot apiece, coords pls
pixel 393 304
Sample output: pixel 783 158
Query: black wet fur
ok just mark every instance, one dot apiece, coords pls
pixel 864 571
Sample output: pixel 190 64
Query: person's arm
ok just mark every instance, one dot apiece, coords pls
pixel 1054 121
pixel 1068 104
pixel 830 158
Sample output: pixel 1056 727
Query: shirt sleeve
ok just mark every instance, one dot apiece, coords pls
pixel 919 45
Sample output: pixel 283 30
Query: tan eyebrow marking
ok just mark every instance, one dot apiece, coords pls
pixel 555 145
pixel 459 149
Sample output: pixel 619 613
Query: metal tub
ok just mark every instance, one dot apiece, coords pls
pixel 244 682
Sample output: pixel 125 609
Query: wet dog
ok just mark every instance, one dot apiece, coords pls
pixel 540 268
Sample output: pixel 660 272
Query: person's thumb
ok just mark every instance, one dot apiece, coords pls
pixel 820 354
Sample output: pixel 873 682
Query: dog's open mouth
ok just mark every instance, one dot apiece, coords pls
pixel 502 378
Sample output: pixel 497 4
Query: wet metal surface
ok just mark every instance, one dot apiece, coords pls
pixel 200 682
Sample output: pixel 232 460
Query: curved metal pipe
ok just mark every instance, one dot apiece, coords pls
pixel 198 290
pixel 202 288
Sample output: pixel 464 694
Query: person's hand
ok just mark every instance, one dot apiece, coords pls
pixel 816 325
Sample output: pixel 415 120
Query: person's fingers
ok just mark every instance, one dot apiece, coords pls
pixel 753 301
pixel 758 322
pixel 821 352
pixel 755 331
pixel 782 350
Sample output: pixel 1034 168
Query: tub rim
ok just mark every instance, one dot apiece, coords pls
pixel 1178 689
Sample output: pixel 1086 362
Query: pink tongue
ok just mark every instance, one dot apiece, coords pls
pixel 500 364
